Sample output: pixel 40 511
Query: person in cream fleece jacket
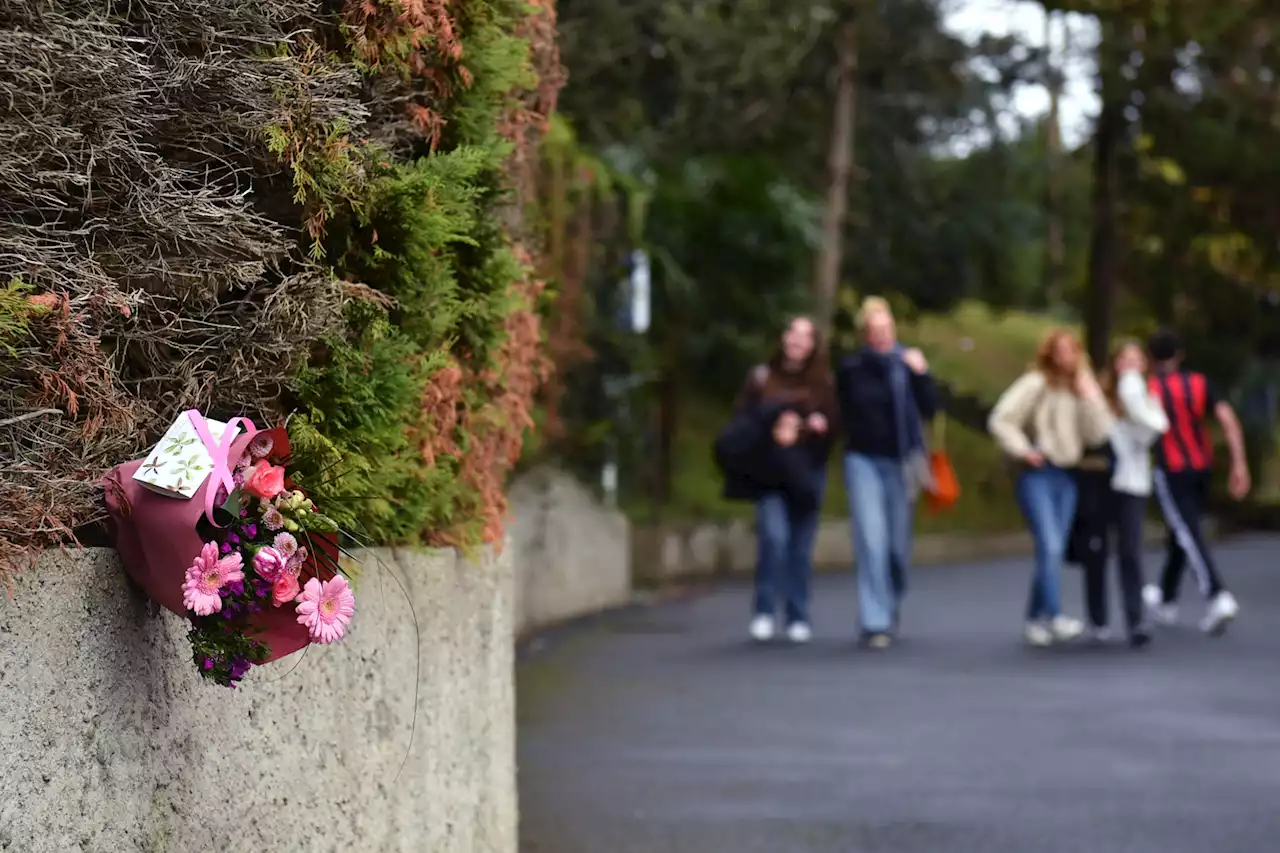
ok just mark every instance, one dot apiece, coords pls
pixel 1044 422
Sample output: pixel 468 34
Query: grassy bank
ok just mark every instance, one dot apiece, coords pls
pixel 976 350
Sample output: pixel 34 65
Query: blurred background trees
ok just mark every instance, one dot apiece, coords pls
pixel 714 124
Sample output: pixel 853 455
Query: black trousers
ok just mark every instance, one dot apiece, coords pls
pixel 1101 515
pixel 1183 496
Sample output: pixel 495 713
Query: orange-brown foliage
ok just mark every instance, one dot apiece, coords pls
pixel 419 40
pixel 495 427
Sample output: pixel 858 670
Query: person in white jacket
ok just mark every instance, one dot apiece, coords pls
pixel 1140 420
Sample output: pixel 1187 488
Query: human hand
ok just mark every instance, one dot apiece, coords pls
pixel 1086 384
pixel 915 360
pixel 817 423
pixel 786 429
pixel 1238 481
pixel 1034 458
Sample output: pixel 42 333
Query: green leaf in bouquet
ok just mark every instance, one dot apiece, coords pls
pixel 234 503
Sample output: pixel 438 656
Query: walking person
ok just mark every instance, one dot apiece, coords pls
pixel 1044 422
pixel 774 453
pixel 1114 498
pixel 886 396
pixel 1184 460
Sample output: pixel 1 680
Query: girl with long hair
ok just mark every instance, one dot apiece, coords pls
pixel 780 440
pixel 1117 498
pixel 1044 422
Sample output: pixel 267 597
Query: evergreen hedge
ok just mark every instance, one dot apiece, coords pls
pixel 309 211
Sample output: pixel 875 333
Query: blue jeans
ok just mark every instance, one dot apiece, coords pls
pixel 1047 498
pixel 784 554
pixel 882 517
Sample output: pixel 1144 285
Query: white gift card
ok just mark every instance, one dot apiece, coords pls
pixel 180 463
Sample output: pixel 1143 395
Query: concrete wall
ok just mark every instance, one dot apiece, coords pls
pixel 110 743
pixel 574 554
pixel 672 553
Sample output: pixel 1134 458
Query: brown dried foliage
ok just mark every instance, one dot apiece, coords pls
pixel 142 205
pixel 526 124
pixel 495 421
pixel 415 50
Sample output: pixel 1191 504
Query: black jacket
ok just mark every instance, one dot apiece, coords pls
pixel 754 464
pixel 866 404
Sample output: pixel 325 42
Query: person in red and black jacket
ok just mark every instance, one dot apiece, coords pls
pixel 1184 458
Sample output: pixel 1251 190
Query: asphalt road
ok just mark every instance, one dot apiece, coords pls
pixel 660 730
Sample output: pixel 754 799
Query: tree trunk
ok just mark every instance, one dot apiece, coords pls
pixel 1104 248
pixel 840 168
pixel 1054 240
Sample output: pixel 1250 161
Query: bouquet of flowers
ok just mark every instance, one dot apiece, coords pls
pixel 248 559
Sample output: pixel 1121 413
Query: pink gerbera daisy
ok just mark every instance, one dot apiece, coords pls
pixel 206 577
pixel 326 608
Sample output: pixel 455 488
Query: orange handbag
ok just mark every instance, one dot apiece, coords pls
pixel 945 488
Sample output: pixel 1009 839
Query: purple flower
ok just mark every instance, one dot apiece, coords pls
pixel 233 539
pixel 244 513
pixel 206 664
pixel 250 531
pixel 236 587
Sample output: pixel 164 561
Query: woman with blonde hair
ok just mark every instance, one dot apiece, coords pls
pixel 886 396
pixel 1117 498
pixel 1044 422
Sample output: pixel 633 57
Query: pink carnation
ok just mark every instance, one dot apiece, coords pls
pixel 269 564
pixel 326 608
pixel 206 577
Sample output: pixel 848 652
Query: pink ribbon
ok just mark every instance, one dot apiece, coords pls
pixel 220 452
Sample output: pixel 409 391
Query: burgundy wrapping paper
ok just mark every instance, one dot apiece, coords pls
pixel 157 540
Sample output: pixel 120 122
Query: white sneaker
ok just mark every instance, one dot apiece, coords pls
pixel 762 629
pixel 1038 634
pixel 1101 634
pixel 799 632
pixel 1222 609
pixel 1066 628
pixel 1161 613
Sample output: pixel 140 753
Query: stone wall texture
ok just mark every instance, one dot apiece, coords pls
pixel 110 742
pixel 673 553
pixel 574 554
